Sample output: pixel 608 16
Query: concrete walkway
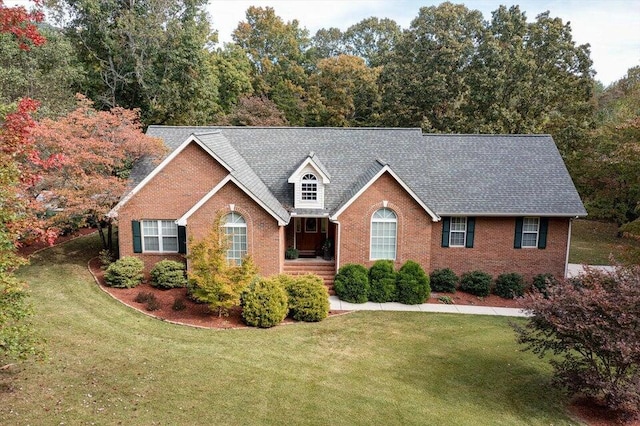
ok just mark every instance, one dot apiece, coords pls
pixel 340 305
pixel 575 269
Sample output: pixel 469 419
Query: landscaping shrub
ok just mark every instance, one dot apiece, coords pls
pixel 179 304
pixel 591 329
pixel 124 273
pixel 106 258
pixel 476 282
pixel 168 274
pixel 509 286
pixel 308 297
pixel 264 303
pixel 143 297
pixel 382 282
pixel 412 284
pixel 542 281
pixel 443 280
pixel 153 304
pixel 352 283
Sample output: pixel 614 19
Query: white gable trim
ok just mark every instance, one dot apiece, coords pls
pixel 229 178
pixel 386 169
pixel 295 176
pixel 114 211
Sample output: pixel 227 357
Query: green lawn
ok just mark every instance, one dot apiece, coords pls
pixel 108 364
pixel 594 242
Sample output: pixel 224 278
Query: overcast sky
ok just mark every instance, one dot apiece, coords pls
pixel 611 27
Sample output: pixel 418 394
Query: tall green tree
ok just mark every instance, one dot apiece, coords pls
pixel 348 92
pixel 424 81
pixel 145 54
pixel 233 71
pixel 50 73
pixel 372 39
pixel 277 51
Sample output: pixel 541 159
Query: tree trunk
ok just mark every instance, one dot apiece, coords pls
pixel 110 236
pixel 102 236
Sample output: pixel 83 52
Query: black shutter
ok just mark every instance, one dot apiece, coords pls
pixel 446 226
pixel 182 239
pixel 517 242
pixel 542 237
pixel 137 236
pixel 471 228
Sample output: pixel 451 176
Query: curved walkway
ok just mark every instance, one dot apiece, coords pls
pixel 340 305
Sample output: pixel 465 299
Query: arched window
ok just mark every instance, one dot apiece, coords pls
pixel 309 187
pixel 235 227
pixel 384 227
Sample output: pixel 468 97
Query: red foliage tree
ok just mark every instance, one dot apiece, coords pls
pixel 98 148
pixel 21 23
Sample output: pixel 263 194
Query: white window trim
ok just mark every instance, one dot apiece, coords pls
pixel 463 232
pixel 383 220
pixel 537 232
pixel 311 181
pixel 160 236
pixel 242 224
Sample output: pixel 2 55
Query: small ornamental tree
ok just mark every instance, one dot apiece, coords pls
pixel 592 326
pixel 211 278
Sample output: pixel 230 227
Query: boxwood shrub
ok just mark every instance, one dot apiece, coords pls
pixel 382 282
pixel 412 284
pixel 509 286
pixel 352 283
pixel 444 280
pixel 476 282
pixel 168 274
pixel 264 303
pixel 308 297
pixel 126 272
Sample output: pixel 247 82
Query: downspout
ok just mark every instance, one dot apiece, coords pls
pixel 338 245
pixel 566 260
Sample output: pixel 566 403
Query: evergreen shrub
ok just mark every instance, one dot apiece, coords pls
pixel 264 303
pixel 352 283
pixel 444 280
pixel 509 286
pixel 382 282
pixel 168 274
pixel 477 283
pixel 126 272
pixel 308 297
pixel 412 284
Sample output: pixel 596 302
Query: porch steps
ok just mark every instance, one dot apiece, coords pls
pixel 324 269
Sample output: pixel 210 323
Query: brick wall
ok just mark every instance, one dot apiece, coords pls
pixel 493 250
pixel 414 224
pixel 180 185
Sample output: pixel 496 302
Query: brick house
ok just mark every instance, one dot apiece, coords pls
pixel 497 203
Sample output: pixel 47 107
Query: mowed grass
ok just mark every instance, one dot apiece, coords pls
pixel 593 243
pixel 108 364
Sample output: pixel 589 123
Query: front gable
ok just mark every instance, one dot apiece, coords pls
pixel 309 181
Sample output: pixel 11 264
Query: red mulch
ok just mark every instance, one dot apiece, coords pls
pixel 461 298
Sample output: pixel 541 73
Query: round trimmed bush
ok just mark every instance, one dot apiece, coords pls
pixel 126 272
pixel 308 297
pixel 477 283
pixel 412 284
pixel 542 282
pixel 168 274
pixel 352 283
pixel 382 281
pixel 443 280
pixel 264 303
pixel 509 286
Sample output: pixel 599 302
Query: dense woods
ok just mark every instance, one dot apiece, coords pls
pixel 451 70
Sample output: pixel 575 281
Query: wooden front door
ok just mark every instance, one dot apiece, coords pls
pixel 310 234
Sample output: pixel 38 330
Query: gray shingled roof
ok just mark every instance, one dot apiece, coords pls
pixel 451 174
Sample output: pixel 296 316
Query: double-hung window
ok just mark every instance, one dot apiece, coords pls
pixel 530 231
pixel 384 230
pixel 458 232
pixel 160 236
pixel 235 227
pixel 309 187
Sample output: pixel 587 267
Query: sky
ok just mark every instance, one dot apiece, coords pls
pixel 611 27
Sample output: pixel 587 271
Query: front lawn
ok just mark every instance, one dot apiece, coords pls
pixel 109 364
pixel 593 242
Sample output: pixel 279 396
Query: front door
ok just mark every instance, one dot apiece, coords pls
pixel 310 234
